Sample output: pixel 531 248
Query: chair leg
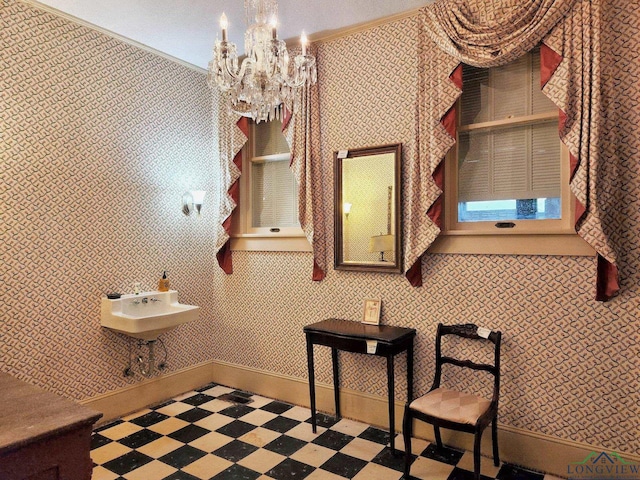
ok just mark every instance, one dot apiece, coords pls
pixel 406 435
pixel 476 455
pixel 436 431
pixel 494 434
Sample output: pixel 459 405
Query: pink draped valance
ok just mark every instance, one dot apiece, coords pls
pixel 232 131
pixel 488 34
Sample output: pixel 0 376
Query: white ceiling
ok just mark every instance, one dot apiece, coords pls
pixel 186 29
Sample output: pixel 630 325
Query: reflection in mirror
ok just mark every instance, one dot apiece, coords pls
pixel 367 209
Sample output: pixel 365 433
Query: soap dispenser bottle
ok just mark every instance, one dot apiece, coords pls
pixel 163 284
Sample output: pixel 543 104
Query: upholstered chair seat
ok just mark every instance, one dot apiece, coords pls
pixel 451 405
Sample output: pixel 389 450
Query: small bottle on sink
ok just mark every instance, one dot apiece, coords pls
pixel 163 284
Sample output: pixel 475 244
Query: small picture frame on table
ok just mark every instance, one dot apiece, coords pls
pixel 371 313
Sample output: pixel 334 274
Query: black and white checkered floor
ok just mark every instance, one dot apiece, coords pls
pixel 223 434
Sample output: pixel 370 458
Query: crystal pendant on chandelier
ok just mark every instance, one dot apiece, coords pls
pixel 265 81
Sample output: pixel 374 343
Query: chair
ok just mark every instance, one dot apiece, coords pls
pixel 442 407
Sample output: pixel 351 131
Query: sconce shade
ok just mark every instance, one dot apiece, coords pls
pixel 346 208
pixel 192 200
pixel 198 196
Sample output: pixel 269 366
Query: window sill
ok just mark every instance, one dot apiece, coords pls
pixel 569 244
pixel 271 243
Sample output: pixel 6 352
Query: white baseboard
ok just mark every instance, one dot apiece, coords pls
pixel 118 403
pixel 517 446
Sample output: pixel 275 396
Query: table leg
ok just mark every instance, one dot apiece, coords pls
pixel 410 373
pixel 312 383
pixel 390 389
pixel 336 379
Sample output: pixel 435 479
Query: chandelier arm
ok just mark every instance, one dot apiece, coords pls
pixel 236 76
pixel 291 83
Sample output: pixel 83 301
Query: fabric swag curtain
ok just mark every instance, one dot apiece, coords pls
pixel 233 131
pixel 488 34
pixel 302 133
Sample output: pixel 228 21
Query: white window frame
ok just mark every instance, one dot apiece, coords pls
pixel 245 237
pixel 527 237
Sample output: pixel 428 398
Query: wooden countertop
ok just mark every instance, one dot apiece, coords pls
pixel 29 414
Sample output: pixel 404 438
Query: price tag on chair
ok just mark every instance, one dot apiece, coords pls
pixel 484 332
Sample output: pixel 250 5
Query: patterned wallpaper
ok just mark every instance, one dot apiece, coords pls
pixel 99 140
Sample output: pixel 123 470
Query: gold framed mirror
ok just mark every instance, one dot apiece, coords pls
pixel 367 209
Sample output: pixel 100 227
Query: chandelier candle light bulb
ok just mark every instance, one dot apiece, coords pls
pixel 224 24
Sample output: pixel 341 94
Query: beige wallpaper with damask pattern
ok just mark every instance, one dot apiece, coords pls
pixel 100 139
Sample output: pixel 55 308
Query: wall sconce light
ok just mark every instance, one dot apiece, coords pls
pixel 192 200
pixel 346 208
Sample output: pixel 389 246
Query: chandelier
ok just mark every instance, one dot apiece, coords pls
pixel 264 82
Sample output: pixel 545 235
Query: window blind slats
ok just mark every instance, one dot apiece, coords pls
pixel 509 164
pixel 510 89
pixel 274 200
pixel 505 164
pixel 476 95
pixel 268 139
pixel 545 165
pixel 519 161
pixel 474 167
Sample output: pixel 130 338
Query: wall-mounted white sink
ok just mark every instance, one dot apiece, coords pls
pixel 146 315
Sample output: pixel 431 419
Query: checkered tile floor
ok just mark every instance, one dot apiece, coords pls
pixel 202 435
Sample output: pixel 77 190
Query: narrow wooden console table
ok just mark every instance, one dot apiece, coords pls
pixel 42 435
pixel 352 336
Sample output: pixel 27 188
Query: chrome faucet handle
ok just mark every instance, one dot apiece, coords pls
pixel 136 302
pixel 156 300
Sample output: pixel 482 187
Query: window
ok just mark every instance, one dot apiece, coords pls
pixel 506 181
pixel 267 214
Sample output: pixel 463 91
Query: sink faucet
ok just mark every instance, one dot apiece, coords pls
pixel 145 300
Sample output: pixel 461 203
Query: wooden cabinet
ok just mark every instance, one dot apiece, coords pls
pixel 43 436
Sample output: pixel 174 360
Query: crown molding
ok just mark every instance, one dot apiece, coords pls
pixel 329 35
pixel 92 26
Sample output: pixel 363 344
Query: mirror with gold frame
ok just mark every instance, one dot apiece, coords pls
pixel 367 209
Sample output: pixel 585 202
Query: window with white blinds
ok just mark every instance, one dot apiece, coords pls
pixel 273 195
pixel 274 200
pixel 509 151
pixel 267 215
